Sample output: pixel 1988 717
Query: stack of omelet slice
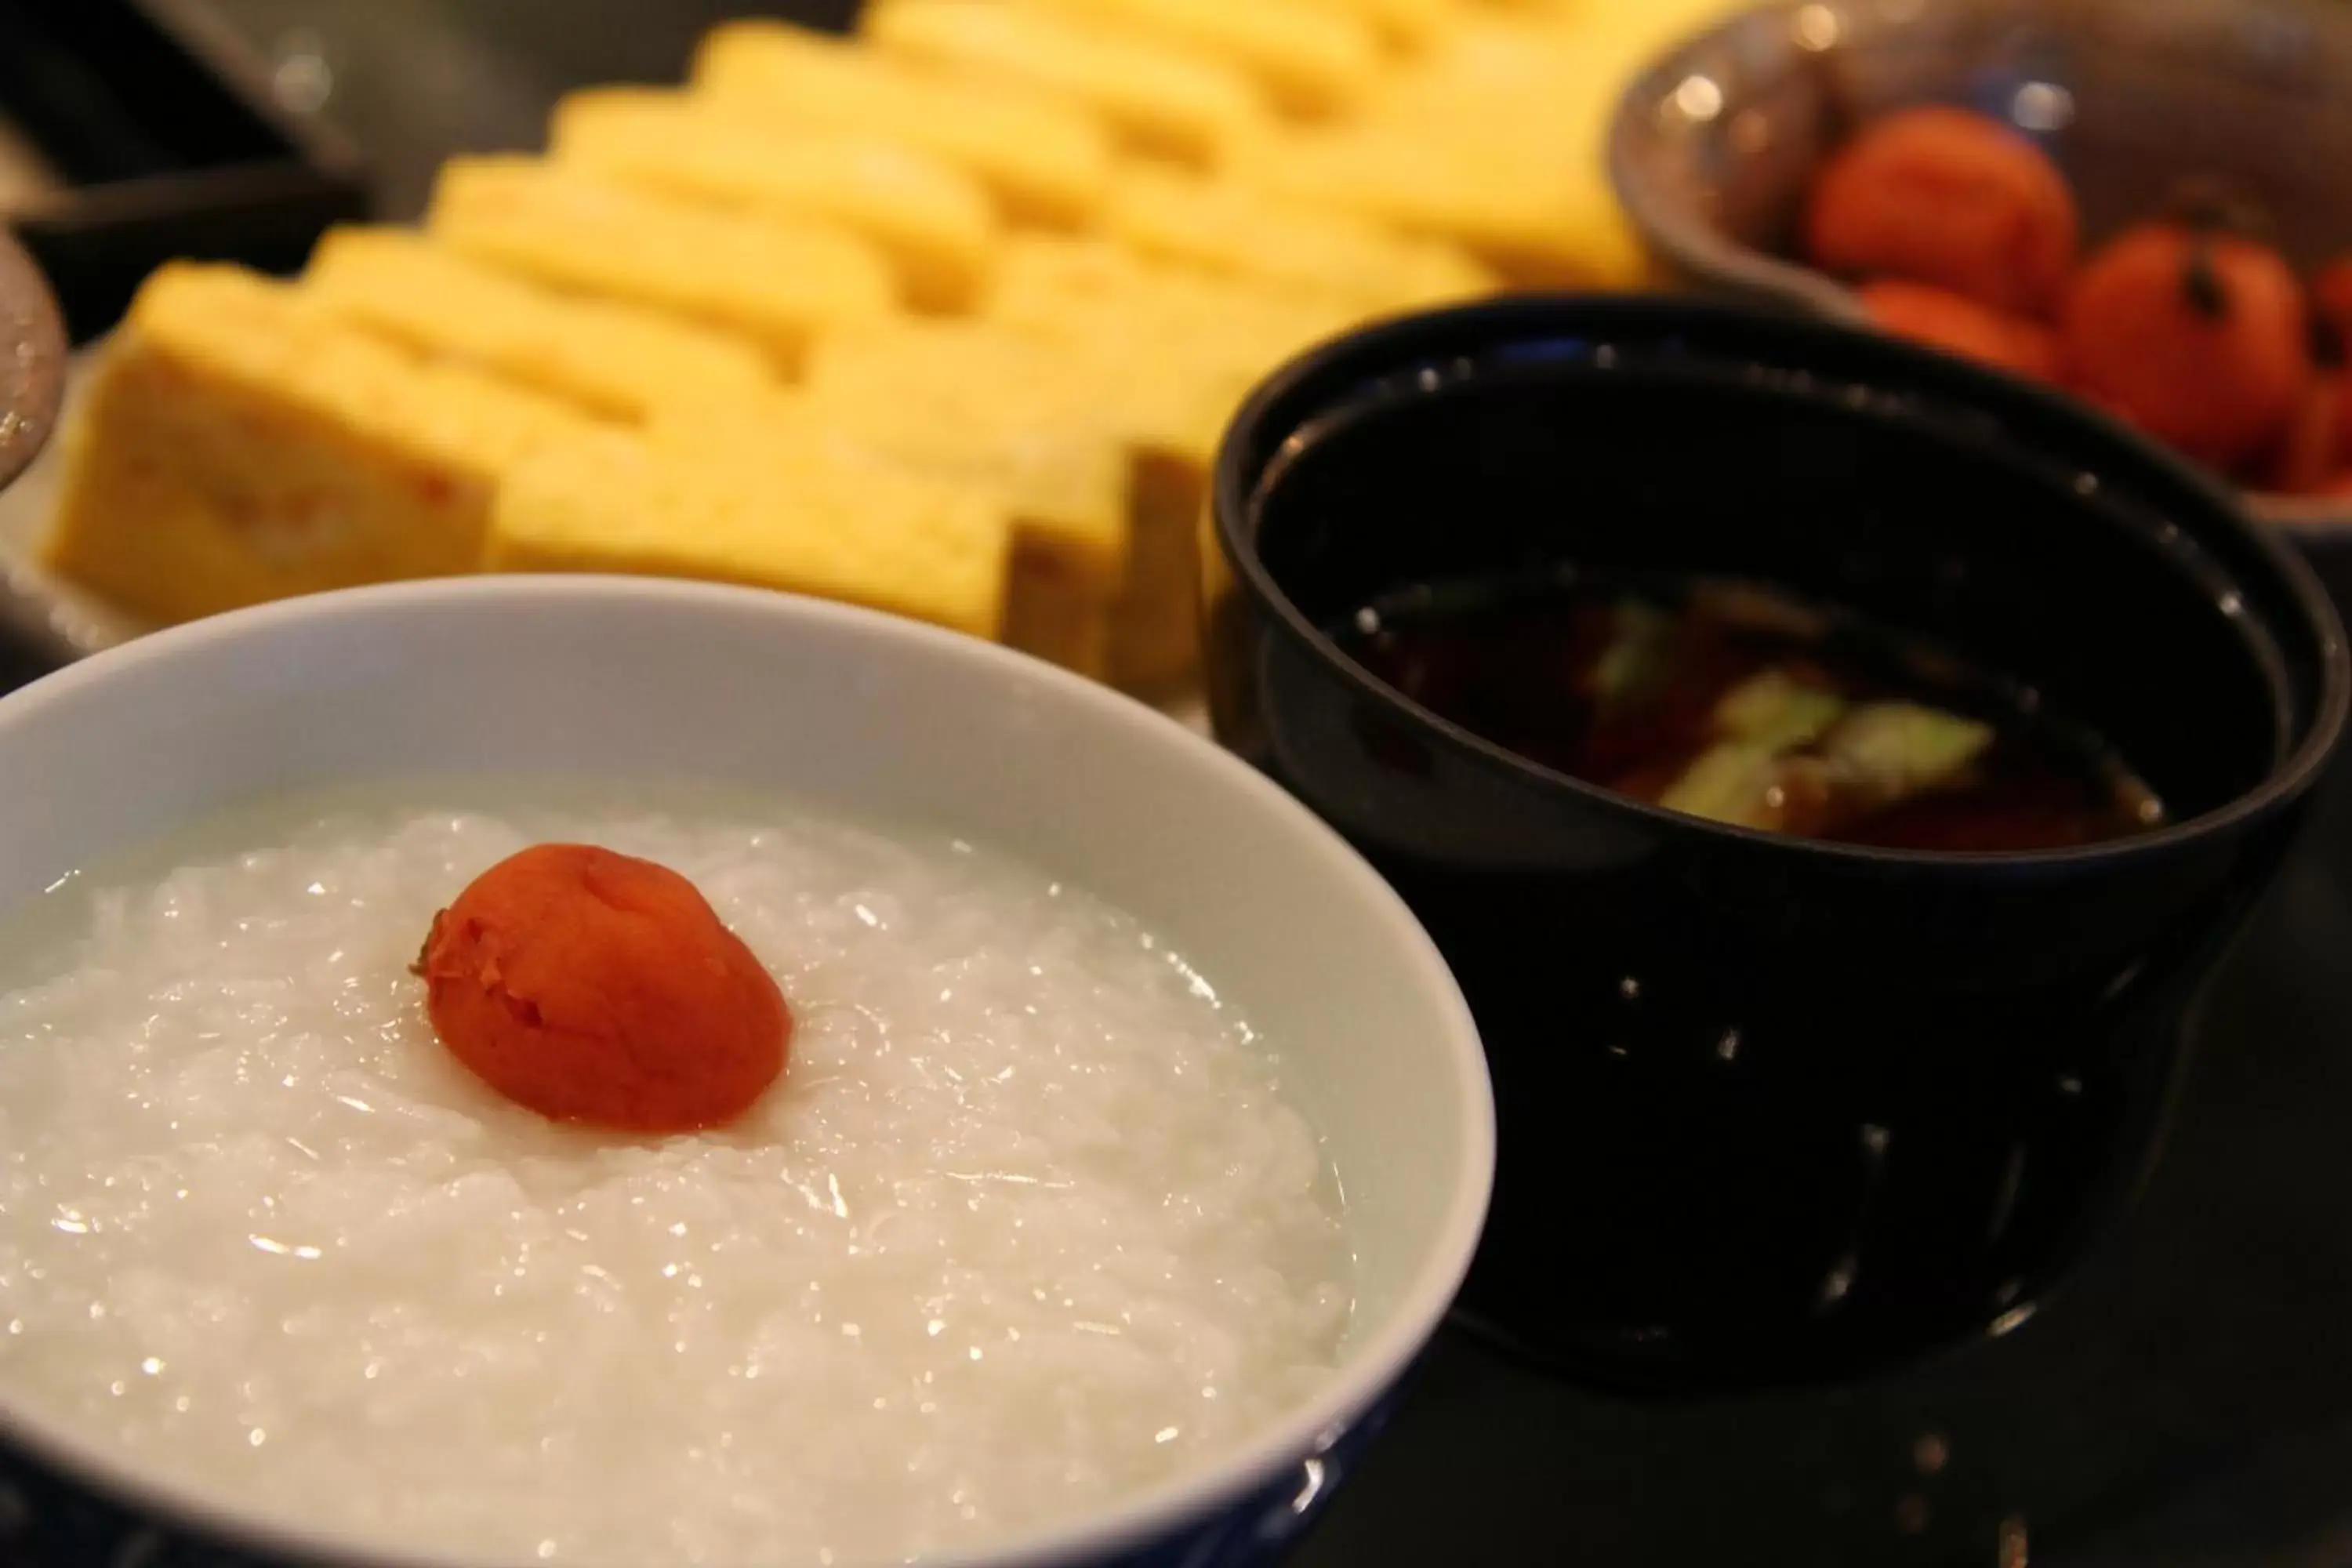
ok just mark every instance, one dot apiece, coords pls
pixel 944 319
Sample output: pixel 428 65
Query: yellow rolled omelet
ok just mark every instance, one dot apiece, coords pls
pixel 1224 227
pixel 1203 340
pixel 804 516
pixel 242 445
pixel 972 397
pixel 1409 26
pixel 1307 60
pixel 1536 222
pixel 615 362
pixel 777 283
pixel 1160 101
pixel 935 222
pixel 1046 161
pixel 1059 492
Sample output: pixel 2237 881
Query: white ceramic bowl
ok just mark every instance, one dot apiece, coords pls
pixel 617 678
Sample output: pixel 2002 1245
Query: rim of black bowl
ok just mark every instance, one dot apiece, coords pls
pixel 1394 361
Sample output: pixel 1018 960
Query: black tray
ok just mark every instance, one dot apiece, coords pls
pixel 167 139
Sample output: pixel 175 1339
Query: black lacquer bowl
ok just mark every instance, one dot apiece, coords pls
pixel 1774 1110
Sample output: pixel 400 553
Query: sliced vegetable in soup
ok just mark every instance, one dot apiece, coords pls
pixel 1746 707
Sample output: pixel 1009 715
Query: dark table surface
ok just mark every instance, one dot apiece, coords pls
pixel 2187 1402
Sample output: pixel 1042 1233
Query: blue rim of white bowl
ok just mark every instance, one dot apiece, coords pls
pixel 1371 1368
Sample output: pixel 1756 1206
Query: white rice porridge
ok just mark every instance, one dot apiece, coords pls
pixel 1026 1223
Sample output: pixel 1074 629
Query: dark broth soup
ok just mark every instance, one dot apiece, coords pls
pixel 1745 706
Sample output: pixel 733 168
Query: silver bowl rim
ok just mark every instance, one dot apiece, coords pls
pixel 31 360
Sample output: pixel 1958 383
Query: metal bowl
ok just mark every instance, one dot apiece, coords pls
pixel 32 361
pixel 1714 146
